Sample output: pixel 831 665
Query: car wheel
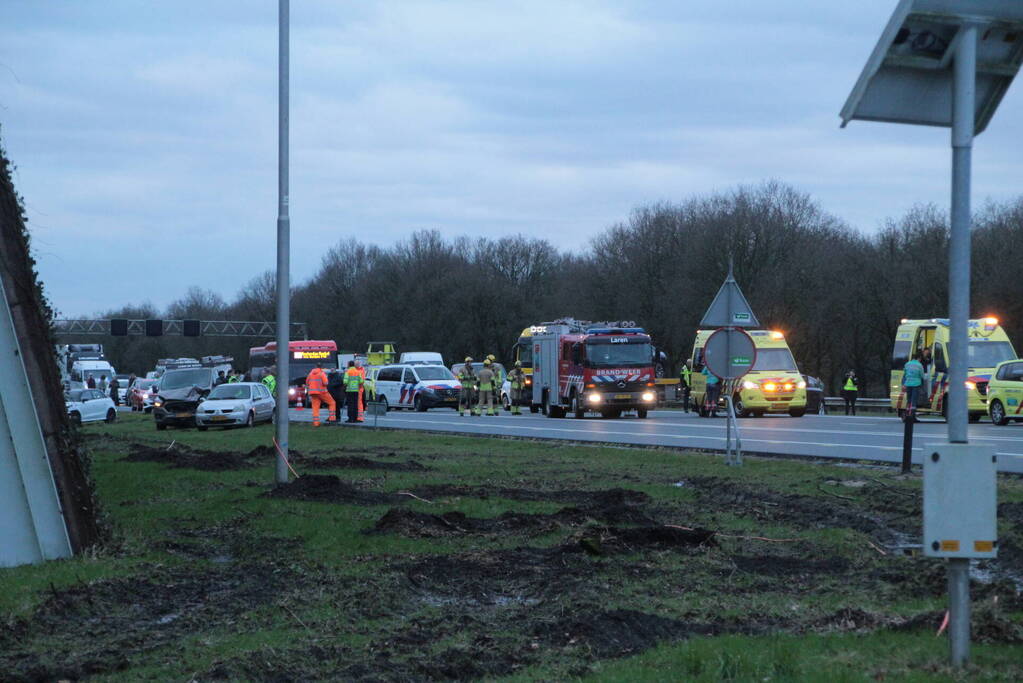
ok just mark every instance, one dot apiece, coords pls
pixel 383 399
pixel 534 409
pixel 739 407
pixel 641 413
pixel 506 403
pixel 111 416
pixel 997 412
pixel 975 417
pixel 417 403
pixel 160 426
pixel 577 408
pixel 76 418
pixel 797 412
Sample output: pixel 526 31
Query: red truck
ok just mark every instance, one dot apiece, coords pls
pixel 605 368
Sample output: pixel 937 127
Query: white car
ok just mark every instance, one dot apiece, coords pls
pixel 90 405
pixel 238 403
pixel 418 387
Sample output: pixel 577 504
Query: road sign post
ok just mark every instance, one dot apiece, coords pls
pixel 730 352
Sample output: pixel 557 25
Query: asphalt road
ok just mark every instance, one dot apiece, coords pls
pixel 819 436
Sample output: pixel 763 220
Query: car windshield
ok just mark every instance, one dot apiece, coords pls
pixel 617 355
pixel 74 395
pixel 989 354
pixel 231 391
pixel 772 360
pixel 434 372
pixel 178 379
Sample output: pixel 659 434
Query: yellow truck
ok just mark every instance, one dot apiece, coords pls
pixel 773 385
pixel 927 341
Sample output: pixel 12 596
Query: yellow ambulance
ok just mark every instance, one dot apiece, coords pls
pixel 927 340
pixel 774 385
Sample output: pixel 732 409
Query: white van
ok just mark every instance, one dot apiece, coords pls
pixel 81 370
pixel 419 387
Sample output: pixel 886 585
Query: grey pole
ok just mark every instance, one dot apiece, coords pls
pixel 283 248
pixel 963 105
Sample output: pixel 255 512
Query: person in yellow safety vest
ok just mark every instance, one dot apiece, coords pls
pixel 353 387
pixel 362 391
pixel 316 390
pixel 487 377
pixel 517 379
pixel 850 390
pixel 467 378
pixel 685 379
pixel 498 378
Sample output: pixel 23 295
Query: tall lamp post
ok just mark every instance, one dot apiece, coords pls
pixel 283 248
pixel 948 63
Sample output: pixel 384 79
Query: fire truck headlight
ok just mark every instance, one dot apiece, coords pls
pixel 749 385
pixel 970 386
pixel 648 396
pixel 593 398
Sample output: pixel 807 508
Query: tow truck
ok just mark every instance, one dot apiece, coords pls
pixel 592 367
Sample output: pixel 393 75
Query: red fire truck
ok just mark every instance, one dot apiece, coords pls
pixel 604 368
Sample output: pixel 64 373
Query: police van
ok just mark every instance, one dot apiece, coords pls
pixel 927 340
pixel 773 385
pixel 418 387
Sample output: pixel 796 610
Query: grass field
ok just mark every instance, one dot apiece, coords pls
pixel 402 556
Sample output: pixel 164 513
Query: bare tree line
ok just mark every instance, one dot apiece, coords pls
pixel 836 293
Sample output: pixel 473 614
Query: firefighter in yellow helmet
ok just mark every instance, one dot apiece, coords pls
pixel 468 380
pixel 517 379
pixel 487 380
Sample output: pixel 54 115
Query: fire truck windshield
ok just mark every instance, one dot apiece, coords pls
pixel 604 354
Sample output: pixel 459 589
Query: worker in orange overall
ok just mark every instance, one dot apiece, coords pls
pixel 316 389
pixel 362 391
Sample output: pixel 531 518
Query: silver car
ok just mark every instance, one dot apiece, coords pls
pixel 238 403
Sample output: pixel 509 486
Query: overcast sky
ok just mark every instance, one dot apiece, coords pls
pixel 145 134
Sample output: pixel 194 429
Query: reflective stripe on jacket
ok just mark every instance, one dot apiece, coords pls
pixel 316 382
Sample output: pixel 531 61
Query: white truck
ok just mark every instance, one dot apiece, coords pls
pixel 82 370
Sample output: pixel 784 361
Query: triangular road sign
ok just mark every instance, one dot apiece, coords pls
pixel 729 308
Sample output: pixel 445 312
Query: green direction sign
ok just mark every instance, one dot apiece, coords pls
pixel 741 360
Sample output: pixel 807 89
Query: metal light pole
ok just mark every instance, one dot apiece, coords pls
pixel 949 63
pixel 964 79
pixel 283 248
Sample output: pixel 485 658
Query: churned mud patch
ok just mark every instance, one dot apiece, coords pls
pixel 354 462
pixel 617 633
pixel 94 628
pixel 415 524
pixel 619 540
pixel 179 456
pixel 328 488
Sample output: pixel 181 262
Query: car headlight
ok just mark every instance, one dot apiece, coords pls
pixel 157 402
pixel 648 396
pixel 593 398
pixel 802 384
pixel 749 385
pixel 970 386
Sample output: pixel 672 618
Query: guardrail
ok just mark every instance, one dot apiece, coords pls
pixel 837 404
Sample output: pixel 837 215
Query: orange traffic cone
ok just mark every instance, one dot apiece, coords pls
pixel 299 405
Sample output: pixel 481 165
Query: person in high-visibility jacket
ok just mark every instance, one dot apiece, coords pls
pixel 270 382
pixel 316 390
pixel 912 381
pixel 467 378
pixel 517 380
pixel 685 383
pixel 362 391
pixel 850 390
pixel 487 378
pixel 353 385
